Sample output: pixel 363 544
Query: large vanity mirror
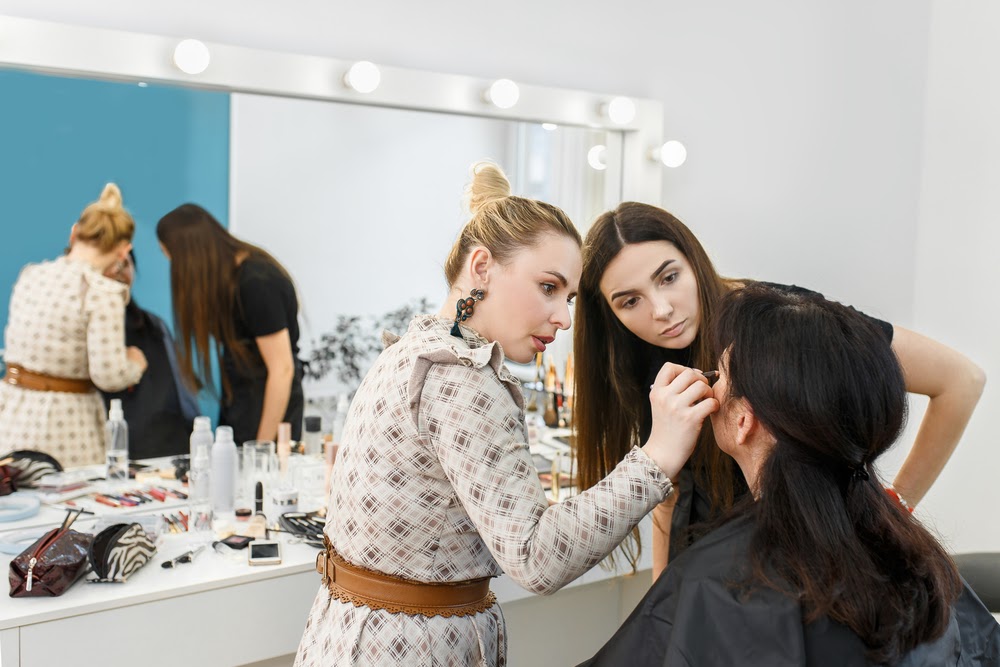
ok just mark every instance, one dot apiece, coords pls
pixel 359 196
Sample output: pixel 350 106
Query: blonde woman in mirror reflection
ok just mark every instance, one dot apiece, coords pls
pixel 232 295
pixel 65 339
pixel 648 293
pixel 434 491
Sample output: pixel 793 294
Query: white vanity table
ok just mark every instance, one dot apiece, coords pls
pixel 216 611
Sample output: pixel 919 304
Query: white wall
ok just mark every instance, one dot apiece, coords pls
pixel 805 124
pixel 958 241
pixel 802 120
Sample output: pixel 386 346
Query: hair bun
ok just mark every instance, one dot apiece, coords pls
pixel 488 183
pixel 111 196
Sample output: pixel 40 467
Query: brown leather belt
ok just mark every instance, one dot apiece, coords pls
pixel 362 587
pixel 19 377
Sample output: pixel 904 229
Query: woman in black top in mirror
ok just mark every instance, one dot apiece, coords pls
pixel 161 408
pixel 647 295
pixel 234 297
pixel 817 564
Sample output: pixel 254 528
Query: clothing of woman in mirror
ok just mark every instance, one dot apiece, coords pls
pixel 235 297
pixel 817 565
pixel 160 408
pixel 434 486
pixel 65 340
pixel 648 294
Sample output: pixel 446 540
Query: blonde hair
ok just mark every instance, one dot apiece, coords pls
pixel 105 223
pixel 502 222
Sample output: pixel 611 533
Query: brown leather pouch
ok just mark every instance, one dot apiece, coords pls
pixel 52 564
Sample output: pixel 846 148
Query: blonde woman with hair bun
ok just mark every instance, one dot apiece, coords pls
pixel 65 339
pixel 434 491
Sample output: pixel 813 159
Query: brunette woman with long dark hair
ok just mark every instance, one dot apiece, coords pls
pixel 817 565
pixel 232 295
pixel 648 294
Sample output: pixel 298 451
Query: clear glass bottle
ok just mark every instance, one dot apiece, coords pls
pixel 200 481
pixel 116 444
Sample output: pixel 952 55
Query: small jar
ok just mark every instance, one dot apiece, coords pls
pixel 285 500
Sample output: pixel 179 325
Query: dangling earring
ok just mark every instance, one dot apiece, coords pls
pixel 464 309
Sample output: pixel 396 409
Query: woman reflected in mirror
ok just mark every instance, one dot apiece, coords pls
pixel 233 298
pixel 160 408
pixel 65 340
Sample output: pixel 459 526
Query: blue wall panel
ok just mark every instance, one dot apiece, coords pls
pixel 62 139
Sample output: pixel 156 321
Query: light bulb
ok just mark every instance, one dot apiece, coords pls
pixel 596 157
pixel 363 77
pixel 621 110
pixel 191 56
pixel 550 127
pixel 503 93
pixel 673 153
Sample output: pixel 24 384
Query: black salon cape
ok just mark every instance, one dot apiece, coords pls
pixel 690 617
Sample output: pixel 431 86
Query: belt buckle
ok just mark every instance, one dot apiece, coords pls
pixel 325 567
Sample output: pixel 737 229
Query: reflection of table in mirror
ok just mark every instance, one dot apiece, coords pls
pixel 221 611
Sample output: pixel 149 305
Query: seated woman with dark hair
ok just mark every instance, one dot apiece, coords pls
pixel 819 565
pixel 160 409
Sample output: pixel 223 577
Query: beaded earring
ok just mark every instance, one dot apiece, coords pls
pixel 464 309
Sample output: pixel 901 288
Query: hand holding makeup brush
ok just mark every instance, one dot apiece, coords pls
pixel 680 399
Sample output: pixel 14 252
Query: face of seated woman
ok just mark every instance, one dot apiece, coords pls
pixel 737 431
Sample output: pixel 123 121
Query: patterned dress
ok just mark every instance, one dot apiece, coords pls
pixel 68 321
pixel 434 483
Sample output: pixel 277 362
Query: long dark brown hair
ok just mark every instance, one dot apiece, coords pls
pixel 823 380
pixel 204 259
pixel 611 395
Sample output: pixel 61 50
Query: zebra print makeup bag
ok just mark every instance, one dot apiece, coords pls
pixel 118 551
pixel 31 465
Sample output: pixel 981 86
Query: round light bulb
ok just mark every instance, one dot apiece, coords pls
pixel 596 157
pixel 363 77
pixel 503 93
pixel 191 56
pixel 621 110
pixel 550 127
pixel 673 153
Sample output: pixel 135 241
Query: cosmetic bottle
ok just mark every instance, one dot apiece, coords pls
pixel 116 443
pixel 200 481
pixel 201 434
pixel 223 471
pixel 568 381
pixel 551 416
pixel 312 439
pixel 343 405
pixel 284 451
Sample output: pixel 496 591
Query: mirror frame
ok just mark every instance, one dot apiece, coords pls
pixel 57 48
